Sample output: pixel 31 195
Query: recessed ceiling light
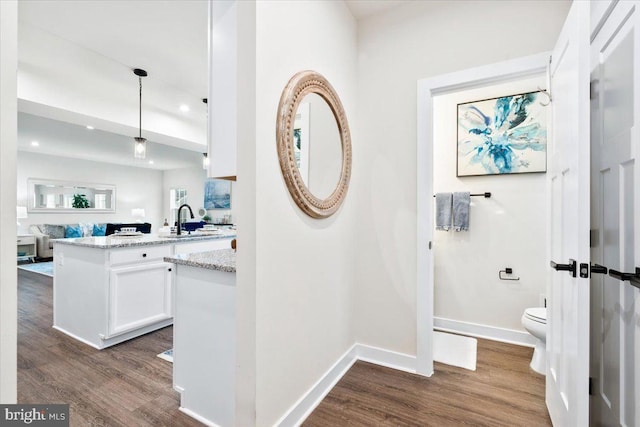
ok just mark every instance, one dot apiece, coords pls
pixel 150 162
pixel 35 143
pixel 90 127
pixel 184 108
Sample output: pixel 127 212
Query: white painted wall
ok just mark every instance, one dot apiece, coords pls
pixel 135 188
pixel 192 179
pixel 507 230
pixel 8 144
pixel 414 41
pixel 304 267
pixel 246 201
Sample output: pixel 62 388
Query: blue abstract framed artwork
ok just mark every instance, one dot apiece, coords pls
pixel 217 194
pixel 506 135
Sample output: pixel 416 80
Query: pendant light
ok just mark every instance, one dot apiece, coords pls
pixel 140 146
pixel 205 161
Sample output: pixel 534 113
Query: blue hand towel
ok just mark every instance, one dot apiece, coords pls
pixel 461 211
pixel 443 211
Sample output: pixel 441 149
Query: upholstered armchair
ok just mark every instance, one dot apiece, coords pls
pixel 43 239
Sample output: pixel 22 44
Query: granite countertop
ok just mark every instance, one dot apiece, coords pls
pixel 221 260
pixel 115 241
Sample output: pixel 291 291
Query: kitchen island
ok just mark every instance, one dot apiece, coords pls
pixel 107 290
pixel 204 335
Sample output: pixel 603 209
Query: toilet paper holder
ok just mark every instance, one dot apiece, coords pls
pixel 507 270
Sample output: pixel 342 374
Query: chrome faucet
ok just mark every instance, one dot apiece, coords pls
pixel 179 216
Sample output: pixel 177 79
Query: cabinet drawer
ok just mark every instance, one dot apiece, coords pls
pixel 137 255
pixel 26 240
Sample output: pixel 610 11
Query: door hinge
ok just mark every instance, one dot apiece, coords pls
pixel 590 386
pixel 593 89
pixel 429 244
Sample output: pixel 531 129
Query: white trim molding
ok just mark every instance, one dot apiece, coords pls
pixel 509 336
pixel 386 358
pixel 312 398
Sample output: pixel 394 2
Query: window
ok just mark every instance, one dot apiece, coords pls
pixel 100 201
pixel 51 200
pixel 177 197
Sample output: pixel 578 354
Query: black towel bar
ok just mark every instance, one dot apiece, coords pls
pixel 485 195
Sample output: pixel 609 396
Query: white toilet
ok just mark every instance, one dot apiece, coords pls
pixel 534 321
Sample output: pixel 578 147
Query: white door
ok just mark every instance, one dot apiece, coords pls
pixel 567 381
pixel 615 179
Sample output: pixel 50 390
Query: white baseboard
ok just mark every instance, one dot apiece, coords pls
pixel 387 358
pixel 509 336
pixel 64 331
pixel 312 398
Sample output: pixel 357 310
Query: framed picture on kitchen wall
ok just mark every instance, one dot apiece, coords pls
pixel 505 135
pixel 217 194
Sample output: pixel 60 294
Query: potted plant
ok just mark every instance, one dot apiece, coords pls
pixel 80 201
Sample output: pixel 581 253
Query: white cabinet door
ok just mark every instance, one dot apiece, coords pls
pixel 615 312
pixel 223 89
pixel 567 388
pixel 139 295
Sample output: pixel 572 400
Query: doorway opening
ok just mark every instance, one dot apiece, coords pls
pixel 428 90
pixel 473 293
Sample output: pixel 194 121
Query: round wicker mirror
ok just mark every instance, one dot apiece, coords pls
pixel 299 175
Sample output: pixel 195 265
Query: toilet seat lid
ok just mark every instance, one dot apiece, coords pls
pixel 539 314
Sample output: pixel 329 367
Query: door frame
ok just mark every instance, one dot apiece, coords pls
pixel 8 232
pixel 428 88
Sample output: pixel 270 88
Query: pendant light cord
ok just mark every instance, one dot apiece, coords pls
pixel 140 118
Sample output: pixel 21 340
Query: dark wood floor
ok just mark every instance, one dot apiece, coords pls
pixel 503 391
pixel 124 385
pixel 127 385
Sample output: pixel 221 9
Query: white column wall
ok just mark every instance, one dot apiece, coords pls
pixel 304 267
pixel 8 144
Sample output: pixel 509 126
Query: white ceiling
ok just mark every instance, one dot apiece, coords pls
pixel 59 138
pixel 91 46
pixel 166 38
pixel 102 42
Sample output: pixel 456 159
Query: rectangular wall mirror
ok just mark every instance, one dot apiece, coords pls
pixel 46 195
